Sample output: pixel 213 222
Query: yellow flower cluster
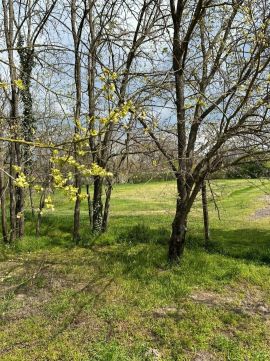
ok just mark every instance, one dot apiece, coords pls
pixel 38 188
pixel 108 77
pixel 3 85
pixel 19 84
pixel 107 74
pixel 58 179
pixel 20 181
pixel 118 113
pixel 48 203
pixel 71 192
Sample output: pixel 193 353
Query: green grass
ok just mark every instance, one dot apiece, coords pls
pixel 114 297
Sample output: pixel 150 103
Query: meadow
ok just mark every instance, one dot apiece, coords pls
pixel 114 297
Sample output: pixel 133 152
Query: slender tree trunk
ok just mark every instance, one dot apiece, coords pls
pixel 107 207
pixel 89 203
pixel 97 204
pixel 8 12
pixel 39 217
pixel 3 208
pixel 76 33
pixel 12 199
pixel 19 212
pixel 3 188
pixel 19 193
pixel 31 201
pixel 76 218
pixel 205 214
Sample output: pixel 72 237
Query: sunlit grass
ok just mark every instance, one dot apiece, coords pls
pixel 114 297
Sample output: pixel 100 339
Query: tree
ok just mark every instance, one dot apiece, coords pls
pixel 220 63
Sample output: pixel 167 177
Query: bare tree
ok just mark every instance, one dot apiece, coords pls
pixel 220 56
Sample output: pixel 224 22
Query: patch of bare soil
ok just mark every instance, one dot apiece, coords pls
pixel 263 212
pixel 25 286
pixel 251 301
pixel 204 356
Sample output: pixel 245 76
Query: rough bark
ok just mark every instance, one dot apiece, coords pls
pixel 39 217
pixel 89 204
pixel 97 204
pixel 106 211
pixel 8 12
pixel 3 208
pixel 205 214
pixel 178 235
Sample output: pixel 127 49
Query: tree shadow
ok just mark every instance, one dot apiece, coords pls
pixel 248 244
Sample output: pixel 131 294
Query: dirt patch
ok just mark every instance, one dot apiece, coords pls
pixel 165 311
pixel 248 302
pixel 263 212
pixel 204 356
pixel 211 298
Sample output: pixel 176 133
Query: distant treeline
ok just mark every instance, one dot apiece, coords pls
pixel 252 169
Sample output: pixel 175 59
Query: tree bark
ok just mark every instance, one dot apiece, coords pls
pixel 107 207
pixel 178 235
pixel 205 214
pixel 3 208
pixel 97 204
pixel 39 217
pixel 89 204
pixel 76 218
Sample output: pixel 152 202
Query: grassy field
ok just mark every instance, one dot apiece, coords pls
pixel 114 297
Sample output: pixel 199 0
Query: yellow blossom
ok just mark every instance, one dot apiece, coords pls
pixel 19 84
pixel 3 85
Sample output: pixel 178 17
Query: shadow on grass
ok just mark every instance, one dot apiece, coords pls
pixel 247 244
pixel 142 233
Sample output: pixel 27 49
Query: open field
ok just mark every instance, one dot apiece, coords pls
pixel 114 297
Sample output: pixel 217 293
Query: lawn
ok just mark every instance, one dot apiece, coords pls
pixel 114 297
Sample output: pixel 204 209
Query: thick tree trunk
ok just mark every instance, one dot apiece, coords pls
pixel 97 204
pixel 178 236
pixel 205 214
pixel 107 207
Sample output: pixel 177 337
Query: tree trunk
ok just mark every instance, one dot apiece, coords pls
pixel 97 204
pixel 8 14
pixel 178 236
pixel 89 203
pixel 12 199
pixel 31 201
pixel 76 222
pixel 107 207
pixel 3 208
pixel 19 194
pixel 76 34
pixel 19 212
pixel 205 214
pixel 39 217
